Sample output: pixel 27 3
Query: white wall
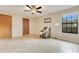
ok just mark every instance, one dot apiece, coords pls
pixel 32 26
pixel 56 31
pixel 17 26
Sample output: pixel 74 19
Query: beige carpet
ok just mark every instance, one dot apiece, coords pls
pixel 38 45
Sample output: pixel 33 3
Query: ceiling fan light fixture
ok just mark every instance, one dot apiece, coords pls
pixel 33 11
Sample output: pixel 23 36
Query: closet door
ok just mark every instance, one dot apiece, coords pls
pixel 5 26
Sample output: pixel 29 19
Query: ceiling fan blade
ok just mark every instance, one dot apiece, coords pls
pixel 38 8
pixel 39 11
pixel 27 10
pixel 28 6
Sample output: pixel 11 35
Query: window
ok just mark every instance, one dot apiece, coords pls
pixel 70 24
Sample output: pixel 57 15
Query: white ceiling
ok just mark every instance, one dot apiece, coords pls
pixel 46 9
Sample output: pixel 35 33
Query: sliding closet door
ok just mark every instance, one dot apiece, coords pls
pixel 5 26
pixel 25 26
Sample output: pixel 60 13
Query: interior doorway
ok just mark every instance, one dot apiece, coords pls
pixel 25 26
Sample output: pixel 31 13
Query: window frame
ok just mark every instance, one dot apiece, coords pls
pixel 71 23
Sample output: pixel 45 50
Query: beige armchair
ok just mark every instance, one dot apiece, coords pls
pixel 45 33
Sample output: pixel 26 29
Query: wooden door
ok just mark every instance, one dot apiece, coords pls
pixel 25 26
pixel 5 26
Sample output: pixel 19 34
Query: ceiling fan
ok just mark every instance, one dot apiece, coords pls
pixel 33 9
